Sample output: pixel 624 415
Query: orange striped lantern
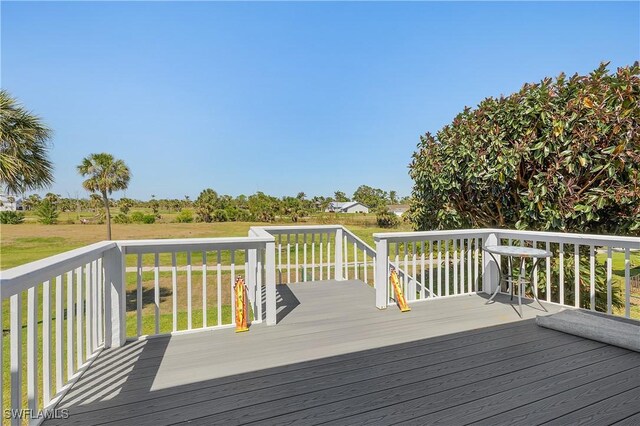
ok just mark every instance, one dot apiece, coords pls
pixel 241 305
pixel 397 289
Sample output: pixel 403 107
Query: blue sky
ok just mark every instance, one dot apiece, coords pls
pixel 282 97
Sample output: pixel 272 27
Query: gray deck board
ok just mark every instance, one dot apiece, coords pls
pixel 610 409
pixel 632 420
pixel 335 358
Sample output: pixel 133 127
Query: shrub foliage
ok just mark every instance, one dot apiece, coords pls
pixel 562 154
pixel 121 218
pixel 185 216
pixel 386 218
pixel 11 218
pixel 140 217
pixel 47 212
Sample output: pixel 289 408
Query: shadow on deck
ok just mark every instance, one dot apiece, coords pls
pixel 334 357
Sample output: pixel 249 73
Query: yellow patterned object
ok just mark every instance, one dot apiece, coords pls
pixel 397 289
pixel 241 305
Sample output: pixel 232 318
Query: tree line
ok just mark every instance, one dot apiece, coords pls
pixel 210 206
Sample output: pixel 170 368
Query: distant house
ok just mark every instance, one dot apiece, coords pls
pixel 347 207
pixel 398 209
pixel 10 203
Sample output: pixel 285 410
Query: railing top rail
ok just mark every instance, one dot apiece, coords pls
pixel 371 251
pixel 563 237
pixel 297 228
pixel 566 237
pixel 192 241
pixel 24 276
pixel 419 235
pixel 193 244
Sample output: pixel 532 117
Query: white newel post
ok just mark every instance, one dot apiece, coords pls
pixel 489 266
pixel 339 251
pixel 382 273
pixel 270 278
pixel 114 298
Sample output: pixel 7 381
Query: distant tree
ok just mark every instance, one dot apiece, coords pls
pixel 320 203
pixel 370 197
pixel 47 212
pixel 340 197
pixel 393 197
pixel 386 219
pixel 125 205
pixel 31 202
pixel 53 198
pixel 154 205
pixel 220 215
pixel 263 207
pixel 95 202
pixel 105 175
pixel 66 204
pixel 301 196
pixel 24 156
pixel 293 207
pixel 207 202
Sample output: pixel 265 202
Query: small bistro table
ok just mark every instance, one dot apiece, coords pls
pixel 521 253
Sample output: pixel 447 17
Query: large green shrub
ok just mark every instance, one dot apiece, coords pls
pixel 220 215
pixel 121 218
pixel 11 218
pixel 185 216
pixel 47 212
pixel 206 203
pixel 139 217
pixel 125 205
pixel 562 154
pixel 386 218
pixel 149 219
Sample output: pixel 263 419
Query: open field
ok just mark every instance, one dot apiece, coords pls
pixel 27 242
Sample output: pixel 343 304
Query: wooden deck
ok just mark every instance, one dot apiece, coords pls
pixel 335 358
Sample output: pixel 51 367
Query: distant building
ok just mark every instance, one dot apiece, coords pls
pixel 10 203
pixel 398 209
pixel 347 207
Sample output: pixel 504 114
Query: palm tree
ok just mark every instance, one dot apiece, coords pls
pixel 106 174
pixel 24 159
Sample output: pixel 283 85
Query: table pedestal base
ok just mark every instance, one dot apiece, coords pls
pixel 521 285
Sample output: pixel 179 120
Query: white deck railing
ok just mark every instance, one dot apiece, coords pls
pixel 450 263
pixel 322 252
pixel 305 253
pixel 66 324
pixel 77 303
pixel 202 273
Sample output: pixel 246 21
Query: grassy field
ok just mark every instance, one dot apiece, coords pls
pixel 29 241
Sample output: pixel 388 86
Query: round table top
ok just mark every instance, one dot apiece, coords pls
pixel 516 251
